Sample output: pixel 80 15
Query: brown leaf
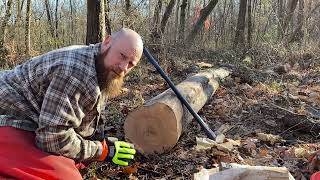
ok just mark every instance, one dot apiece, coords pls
pixel 130 169
pixel 227 158
pixel 263 152
pixel 249 147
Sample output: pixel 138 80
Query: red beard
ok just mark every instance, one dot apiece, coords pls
pixel 110 82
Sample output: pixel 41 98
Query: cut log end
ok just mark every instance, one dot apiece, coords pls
pixel 152 129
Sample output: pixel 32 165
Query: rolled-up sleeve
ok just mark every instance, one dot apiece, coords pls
pixel 63 109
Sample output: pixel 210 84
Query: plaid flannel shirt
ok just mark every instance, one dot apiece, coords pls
pixel 57 96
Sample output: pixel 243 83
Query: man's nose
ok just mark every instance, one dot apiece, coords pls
pixel 124 67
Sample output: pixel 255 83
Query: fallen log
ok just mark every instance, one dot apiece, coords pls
pixel 157 125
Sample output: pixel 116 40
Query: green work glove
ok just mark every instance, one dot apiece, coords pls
pixel 120 152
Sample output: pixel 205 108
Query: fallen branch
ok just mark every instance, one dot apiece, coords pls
pixel 293 120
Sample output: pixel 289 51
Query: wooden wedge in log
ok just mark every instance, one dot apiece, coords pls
pixel 157 125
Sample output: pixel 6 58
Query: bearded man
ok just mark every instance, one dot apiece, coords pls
pixel 50 108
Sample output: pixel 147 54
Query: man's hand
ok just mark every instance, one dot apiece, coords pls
pixel 121 152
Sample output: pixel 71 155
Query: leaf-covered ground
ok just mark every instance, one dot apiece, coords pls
pixel 284 102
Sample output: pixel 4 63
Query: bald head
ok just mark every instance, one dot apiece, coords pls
pixel 121 51
pixel 129 36
pixel 126 39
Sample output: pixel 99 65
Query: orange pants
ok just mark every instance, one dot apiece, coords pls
pixel 21 159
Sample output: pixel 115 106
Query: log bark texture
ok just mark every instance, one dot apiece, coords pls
pixel 157 126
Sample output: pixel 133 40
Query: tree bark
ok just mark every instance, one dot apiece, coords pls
pixel 182 21
pixel 188 16
pixel 300 20
pixel 71 22
pixel 249 35
pixel 19 7
pixel 27 28
pixel 221 35
pixel 156 19
pixel 292 36
pixel 5 22
pixel 204 13
pixel 107 17
pixel 157 31
pixel 239 38
pixel 126 20
pixel 291 7
pixel 95 21
pixel 48 10
pixel 18 24
pixel 280 19
pixel 166 16
pixel 56 22
pixel 102 21
pixel 157 126
pixel 176 23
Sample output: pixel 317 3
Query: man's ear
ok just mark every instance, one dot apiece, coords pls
pixel 106 44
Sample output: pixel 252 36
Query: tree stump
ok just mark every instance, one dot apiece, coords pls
pixel 157 125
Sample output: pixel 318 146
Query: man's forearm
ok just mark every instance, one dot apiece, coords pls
pixel 68 143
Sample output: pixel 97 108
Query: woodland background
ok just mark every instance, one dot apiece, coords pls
pixel 30 27
pixel 271 46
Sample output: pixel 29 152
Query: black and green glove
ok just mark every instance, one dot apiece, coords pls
pixel 120 152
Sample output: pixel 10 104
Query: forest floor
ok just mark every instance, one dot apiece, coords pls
pixel 274 94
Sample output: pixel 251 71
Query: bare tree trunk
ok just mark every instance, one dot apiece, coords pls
pixel 231 22
pixel 291 37
pixel 95 21
pixel 19 7
pixel 156 20
pixel 249 36
pixel 126 21
pixel 48 10
pixel 56 24
pixel 290 10
pixel 268 23
pixel 280 19
pixel 214 31
pixel 300 20
pixel 166 16
pixel 102 21
pixel 239 38
pixel 5 22
pixel 3 50
pixel 204 13
pixel 156 34
pixel 182 21
pixel 176 23
pixel 308 24
pixel 258 19
pixel 188 16
pixel 107 17
pixel 222 23
pixel 127 8
pixel 18 24
pixel 71 22
pixel 27 35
